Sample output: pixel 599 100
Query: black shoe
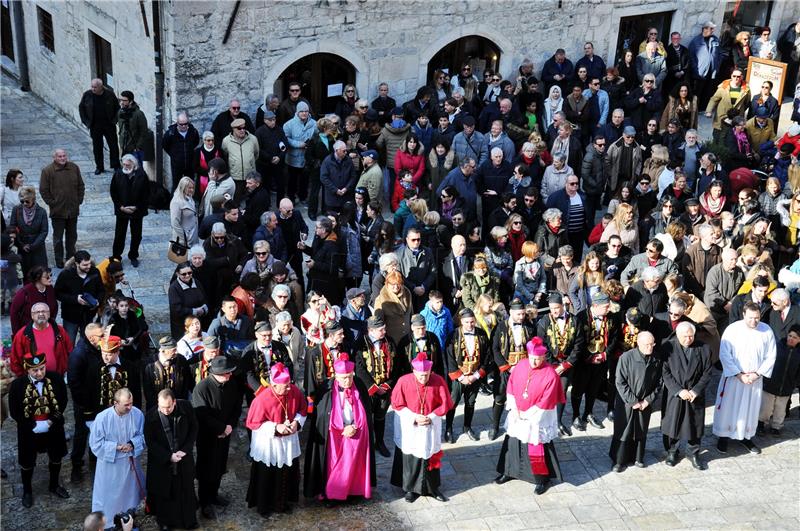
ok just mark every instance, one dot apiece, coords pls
pixel 760 430
pixel 411 497
pixel 639 464
pixel 77 474
pixel 751 447
pixel 493 434
pixel 135 262
pixel 471 434
pixel 3 473
pixel 617 468
pixel 209 512
pixel 541 488
pixel 502 479
pixel 597 423
pixel 563 429
pixel 437 495
pixel 579 425
pixel 672 459
pixel 485 390
pixel 449 437
pixel 722 445
pixel 27 500
pixel 775 432
pixel 60 491
pixel 98 171
pixel 381 448
pixel 221 500
pixel 60 264
pixel 610 416
pixel 696 462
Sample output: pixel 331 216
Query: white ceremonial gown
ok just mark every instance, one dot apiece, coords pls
pixel 737 405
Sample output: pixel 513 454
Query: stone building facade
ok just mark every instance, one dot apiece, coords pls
pixel 214 51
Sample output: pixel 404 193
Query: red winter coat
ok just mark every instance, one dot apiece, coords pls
pixel 786 139
pixel 413 163
pixel 24 299
pixel 23 340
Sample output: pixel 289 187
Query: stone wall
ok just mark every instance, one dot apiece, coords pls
pixel 61 77
pixel 385 41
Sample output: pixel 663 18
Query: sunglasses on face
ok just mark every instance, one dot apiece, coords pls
pixel 185 273
pixel 572 183
pixel 235 108
pixel 294 90
pixel 495 79
pixel 600 144
pixel 239 128
pixel 261 253
pixel 736 77
pixel 649 80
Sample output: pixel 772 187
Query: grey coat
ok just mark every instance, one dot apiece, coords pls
pixel 638 262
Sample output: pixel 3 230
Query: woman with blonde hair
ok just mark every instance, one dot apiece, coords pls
pixel 758 270
pixel 517 235
pixel 530 280
pixel 488 312
pixel 395 302
pixel 183 213
pixel 29 223
pixel 589 280
pixel 624 226
pixel 674 240
pixel 740 51
pixel 347 104
pixel 418 209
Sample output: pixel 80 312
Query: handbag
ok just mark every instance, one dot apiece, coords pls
pixel 177 252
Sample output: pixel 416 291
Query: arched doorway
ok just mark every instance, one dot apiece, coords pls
pixel 480 52
pixel 322 77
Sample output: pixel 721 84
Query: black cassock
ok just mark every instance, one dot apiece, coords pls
pixel 690 369
pixel 316 463
pixel 638 378
pixel 216 405
pixel 514 461
pixel 170 486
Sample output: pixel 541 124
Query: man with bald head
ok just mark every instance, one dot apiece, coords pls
pixel 722 284
pixel 41 336
pixel 221 127
pixel 294 229
pixel 455 265
pixel 61 187
pixel 783 314
pixel 98 109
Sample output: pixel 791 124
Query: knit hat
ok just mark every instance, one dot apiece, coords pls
pixel 343 365
pixel 279 374
pixel 421 363
pixel 301 106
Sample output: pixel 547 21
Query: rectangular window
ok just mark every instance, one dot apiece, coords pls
pixel 46 37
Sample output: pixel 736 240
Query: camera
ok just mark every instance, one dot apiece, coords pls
pixel 124 517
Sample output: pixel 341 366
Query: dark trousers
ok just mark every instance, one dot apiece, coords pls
pixel 79 438
pixel 592 204
pixel 179 169
pixel 704 88
pixel 315 205
pixel 628 448
pixel 121 232
pixel 692 445
pixel 589 380
pixel 212 463
pixel 576 241
pixel 566 381
pixel 470 394
pixel 611 383
pixel 380 405
pixel 298 183
pixel 109 132
pixel 60 227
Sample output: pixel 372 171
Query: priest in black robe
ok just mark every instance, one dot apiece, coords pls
pixel 217 402
pixel 686 373
pixel 638 381
pixel 170 431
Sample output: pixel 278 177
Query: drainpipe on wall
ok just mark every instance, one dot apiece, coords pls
pixel 159 79
pixel 22 49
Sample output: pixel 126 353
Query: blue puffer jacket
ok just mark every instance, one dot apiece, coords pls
pixel 440 324
pixel 297 133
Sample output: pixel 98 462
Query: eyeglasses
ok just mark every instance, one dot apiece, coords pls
pixel 573 183
pixel 261 253
pixel 765 87
pixel 596 83
pixel 516 223
pixel 294 90
pixel 495 79
pixel 652 33
pixel 185 273
pixel 735 77
pixel 444 196
pixel 240 127
pixel 643 183
pixel 349 91
pixel 235 108
pixel 648 250
pixel 362 107
pixel 467 68
pixel 600 144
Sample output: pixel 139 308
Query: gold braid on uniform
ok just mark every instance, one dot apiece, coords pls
pixel 165 375
pixel 469 364
pixel 111 384
pixel 558 338
pixel 629 337
pixel 35 405
pixel 376 362
pixel 261 367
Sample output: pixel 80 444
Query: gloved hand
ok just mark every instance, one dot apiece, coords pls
pixel 41 427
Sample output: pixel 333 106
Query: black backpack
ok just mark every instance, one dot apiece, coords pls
pixel 159 197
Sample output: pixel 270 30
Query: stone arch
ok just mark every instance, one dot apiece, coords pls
pixel 320 46
pixel 504 44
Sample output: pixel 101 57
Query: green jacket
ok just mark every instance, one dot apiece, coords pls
pixel 471 290
pixel 132 128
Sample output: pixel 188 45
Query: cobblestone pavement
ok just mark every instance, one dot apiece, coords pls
pixel 739 491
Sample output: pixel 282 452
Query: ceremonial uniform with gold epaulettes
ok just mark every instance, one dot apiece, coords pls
pixel 564 344
pixel 378 367
pixel 319 370
pixel 254 368
pixel 410 347
pixel 175 374
pixel 104 380
pixel 600 337
pixel 39 406
pixel 508 347
pixel 463 361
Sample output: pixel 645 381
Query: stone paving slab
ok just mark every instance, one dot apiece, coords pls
pixel 739 490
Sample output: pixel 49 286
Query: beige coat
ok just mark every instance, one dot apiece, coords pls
pixel 720 103
pixel 372 180
pixel 396 312
pixel 242 155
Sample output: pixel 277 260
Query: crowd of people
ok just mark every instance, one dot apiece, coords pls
pixel 563 236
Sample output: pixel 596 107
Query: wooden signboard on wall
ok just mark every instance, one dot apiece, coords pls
pixel 760 70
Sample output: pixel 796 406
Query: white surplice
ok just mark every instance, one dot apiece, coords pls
pixel 742 349
pixel 420 441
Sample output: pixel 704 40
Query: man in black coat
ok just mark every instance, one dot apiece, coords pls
pixel 469 360
pixel 179 141
pixel 454 266
pixel 271 162
pixel 293 229
pixel 638 381
pixel 378 367
pixel 677 64
pixel 686 373
pixel 255 204
pixel 258 358
pixel 170 431
pixel 130 191
pixel 167 371
pixel 648 295
pixel 98 109
pixel 418 266
pixel 383 104
pixel 323 268
pixel 221 127
pixel 783 314
pixel 76 286
pixel 37 401
pixel 85 353
pixel 217 402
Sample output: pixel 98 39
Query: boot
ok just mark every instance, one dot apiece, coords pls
pixel 469 412
pixel 27 488
pixel 380 427
pixel 448 427
pixel 497 413
pixel 55 487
